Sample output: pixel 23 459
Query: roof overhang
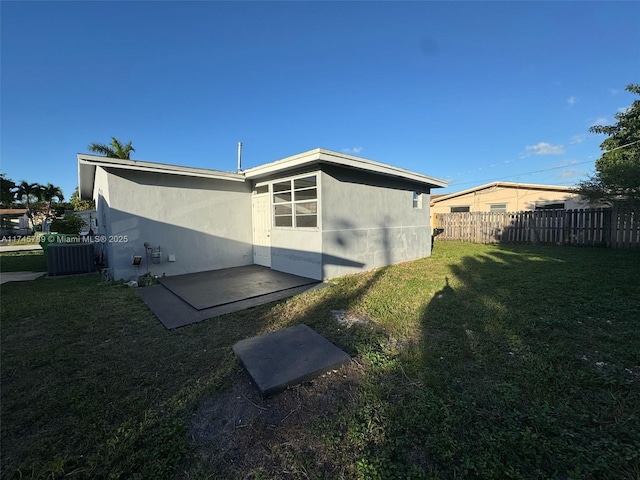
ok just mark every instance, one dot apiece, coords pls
pixel 328 157
pixel 87 165
pixel 520 186
pixel 13 211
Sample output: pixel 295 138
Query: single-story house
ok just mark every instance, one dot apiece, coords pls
pixel 508 197
pixel 319 214
pixel 14 222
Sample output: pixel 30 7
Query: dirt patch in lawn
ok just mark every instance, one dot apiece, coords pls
pixel 240 435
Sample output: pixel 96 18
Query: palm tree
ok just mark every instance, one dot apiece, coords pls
pixel 115 150
pixel 49 192
pixel 26 192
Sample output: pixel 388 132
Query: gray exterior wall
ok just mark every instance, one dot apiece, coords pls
pixel 368 221
pixel 102 198
pixel 297 251
pixel 204 223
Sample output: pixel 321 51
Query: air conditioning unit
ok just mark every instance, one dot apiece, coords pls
pixel 69 259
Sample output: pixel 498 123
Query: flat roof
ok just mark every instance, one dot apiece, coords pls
pixel 322 156
pixel 87 168
pixel 528 186
pixel 87 165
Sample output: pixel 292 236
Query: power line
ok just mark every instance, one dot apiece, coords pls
pixel 545 169
pixel 621 146
pixel 525 173
pixel 524 155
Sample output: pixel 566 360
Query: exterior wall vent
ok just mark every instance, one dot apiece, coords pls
pixel 69 259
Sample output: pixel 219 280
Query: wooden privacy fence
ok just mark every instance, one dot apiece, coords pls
pixel 617 228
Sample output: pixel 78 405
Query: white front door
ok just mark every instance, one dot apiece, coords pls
pixel 261 207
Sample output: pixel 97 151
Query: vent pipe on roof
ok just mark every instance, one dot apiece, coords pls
pixel 239 157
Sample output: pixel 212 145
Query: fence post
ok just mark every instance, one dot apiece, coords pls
pixel 568 227
pixel 614 226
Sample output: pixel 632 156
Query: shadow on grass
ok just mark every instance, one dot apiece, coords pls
pixel 480 362
pixel 240 435
pixel 94 386
pixel 527 367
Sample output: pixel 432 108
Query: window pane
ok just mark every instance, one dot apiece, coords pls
pixel 284 221
pixel 498 207
pixel 284 209
pixel 459 209
pixel 262 189
pixel 282 186
pixel 304 182
pixel 417 200
pixel 306 221
pixel 306 208
pixel 309 194
pixel 550 206
pixel 281 197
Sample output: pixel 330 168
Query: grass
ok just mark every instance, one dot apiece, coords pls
pixel 478 362
pixel 27 261
pixel 10 240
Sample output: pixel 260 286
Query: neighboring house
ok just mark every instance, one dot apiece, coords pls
pixel 14 222
pixel 508 197
pixel 319 214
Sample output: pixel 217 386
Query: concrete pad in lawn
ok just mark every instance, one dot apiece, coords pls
pixel 288 357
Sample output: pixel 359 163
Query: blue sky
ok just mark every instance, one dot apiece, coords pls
pixel 466 92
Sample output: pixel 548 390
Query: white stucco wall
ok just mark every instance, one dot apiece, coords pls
pixel 204 224
pixel 369 221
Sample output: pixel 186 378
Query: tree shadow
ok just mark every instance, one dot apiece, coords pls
pixel 284 424
pixel 496 385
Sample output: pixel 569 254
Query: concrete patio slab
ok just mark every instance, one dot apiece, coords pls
pixel 287 357
pixel 173 312
pixel 19 276
pixel 204 290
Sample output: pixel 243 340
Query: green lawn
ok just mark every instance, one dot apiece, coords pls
pixel 27 261
pixel 478 362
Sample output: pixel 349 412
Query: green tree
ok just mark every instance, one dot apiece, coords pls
pixel 7 191
pixel 617 177
pixel 115 150
pixel 79 204
pixel 71 224
pixel 28 193
pixel 49 192
pixel 59 208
